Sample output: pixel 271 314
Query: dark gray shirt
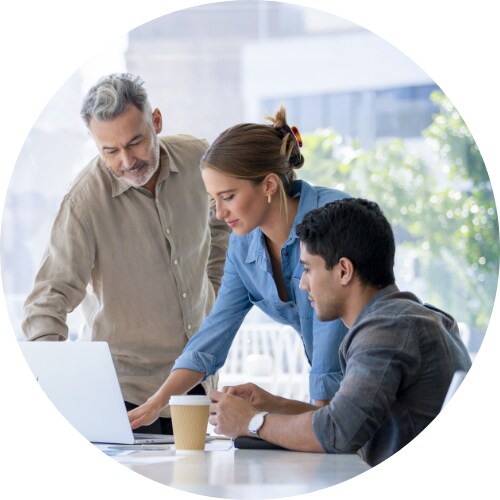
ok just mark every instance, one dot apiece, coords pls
pixel 398 360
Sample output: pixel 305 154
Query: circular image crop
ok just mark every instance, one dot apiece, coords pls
pixel 372 124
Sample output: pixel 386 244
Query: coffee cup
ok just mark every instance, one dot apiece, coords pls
pixel 189 420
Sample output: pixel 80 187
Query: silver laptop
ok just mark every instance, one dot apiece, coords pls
pixel 80 380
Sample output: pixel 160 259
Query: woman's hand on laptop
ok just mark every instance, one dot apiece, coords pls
pixel 145 414
pixel 180 381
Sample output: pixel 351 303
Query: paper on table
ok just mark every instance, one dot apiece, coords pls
pixel 222 445
pixel 151 457
pixel 148 454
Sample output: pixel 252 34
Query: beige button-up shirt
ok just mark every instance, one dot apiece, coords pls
pixel 152 262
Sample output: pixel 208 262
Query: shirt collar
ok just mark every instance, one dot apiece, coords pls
pixel 167 165
pixel 369 306
pixel 308 201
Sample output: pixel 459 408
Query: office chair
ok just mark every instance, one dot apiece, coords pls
pixel 455 383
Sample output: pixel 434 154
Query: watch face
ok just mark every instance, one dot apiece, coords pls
pixel 256 422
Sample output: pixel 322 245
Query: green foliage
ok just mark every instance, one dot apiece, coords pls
pixel 439 200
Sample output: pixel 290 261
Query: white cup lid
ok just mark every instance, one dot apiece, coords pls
pixel 189 400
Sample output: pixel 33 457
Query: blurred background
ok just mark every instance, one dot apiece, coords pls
pixel 373 123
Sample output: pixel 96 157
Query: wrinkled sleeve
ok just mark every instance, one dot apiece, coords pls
pixel 61 281
pixel 219 232
pixel 207 350
pixel 378 359
pixel 326 374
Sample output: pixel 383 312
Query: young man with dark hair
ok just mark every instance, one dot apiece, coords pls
pixel 398 357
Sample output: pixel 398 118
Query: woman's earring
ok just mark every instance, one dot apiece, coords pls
pixel 269 198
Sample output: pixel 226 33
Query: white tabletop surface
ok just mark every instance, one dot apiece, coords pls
pixel 225 472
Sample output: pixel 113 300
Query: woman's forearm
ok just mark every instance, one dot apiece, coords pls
pixel 180 381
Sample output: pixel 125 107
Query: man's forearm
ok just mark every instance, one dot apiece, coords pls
pixel 290 406
pixel 294 432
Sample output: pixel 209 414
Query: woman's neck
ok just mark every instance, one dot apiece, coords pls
pixel 277 228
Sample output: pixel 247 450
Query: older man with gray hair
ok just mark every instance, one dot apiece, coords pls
pixel 137 229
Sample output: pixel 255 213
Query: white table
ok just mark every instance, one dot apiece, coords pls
pixel 225 472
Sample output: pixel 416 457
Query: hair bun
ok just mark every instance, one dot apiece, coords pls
pixel 292 141
pixel 296 159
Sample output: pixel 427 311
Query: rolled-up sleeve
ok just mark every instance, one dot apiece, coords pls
pixel 207 350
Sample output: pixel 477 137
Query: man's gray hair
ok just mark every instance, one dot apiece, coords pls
pixel 111 95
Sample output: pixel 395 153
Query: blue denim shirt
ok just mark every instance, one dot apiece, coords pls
pixel 248 281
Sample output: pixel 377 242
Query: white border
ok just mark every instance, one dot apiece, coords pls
pixel 43 43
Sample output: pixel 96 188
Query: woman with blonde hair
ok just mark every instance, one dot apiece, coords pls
pixel 249 171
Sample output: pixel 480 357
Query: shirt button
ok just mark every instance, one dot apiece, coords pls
pixel 189 327
pixel 175 261
pixel 288 277
pixel 168 231
pixel 184 295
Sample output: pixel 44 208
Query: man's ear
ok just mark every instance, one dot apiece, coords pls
pixel 346 271
pixel 157 120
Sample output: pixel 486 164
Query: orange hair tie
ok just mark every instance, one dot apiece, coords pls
pixel 296 133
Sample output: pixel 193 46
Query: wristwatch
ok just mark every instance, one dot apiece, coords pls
pixel 256 422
